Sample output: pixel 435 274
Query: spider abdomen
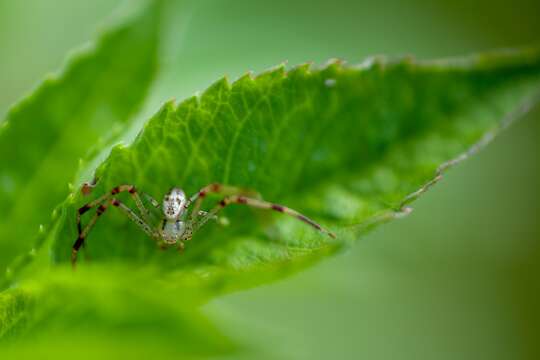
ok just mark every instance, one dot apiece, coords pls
pixel 172 231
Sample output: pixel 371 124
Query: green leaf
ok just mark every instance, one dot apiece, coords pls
pixel 350 146
pixel 102 315
pixel 66 118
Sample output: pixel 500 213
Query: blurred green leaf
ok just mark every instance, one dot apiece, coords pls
pixel 99 313
pixel 350 146
pixel 67 117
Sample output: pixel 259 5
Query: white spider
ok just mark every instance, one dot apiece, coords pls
pixel 177 224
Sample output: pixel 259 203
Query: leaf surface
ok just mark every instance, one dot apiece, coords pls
pixel 350 146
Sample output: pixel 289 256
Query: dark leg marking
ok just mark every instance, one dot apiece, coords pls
pixel 84 209
pixel 101 209
pixel 309 221
pixel 80 212
pixel 242 200
pixel 78 243
pixel 83 233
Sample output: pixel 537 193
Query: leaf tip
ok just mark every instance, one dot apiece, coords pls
pixel 334 63
pixel 275 72
pixel 217 88
pixel 248 77
pixel 169 105
pixel 370 62
pixel 330 70
pixel 302 69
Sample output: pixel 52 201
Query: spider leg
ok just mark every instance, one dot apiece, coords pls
pixel 151 200
pixel 101 209
pixel 180 247
pixel 84 232
pixel 261 204
pixel 203 213
pixel 187 235
pixel 220 220
pixel 145 226
pixel 214 188
pixel 154 205
pixel 119 189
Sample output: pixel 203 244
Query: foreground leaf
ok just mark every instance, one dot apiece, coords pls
pixel 45 135
pixel 347 145
pixel 99 315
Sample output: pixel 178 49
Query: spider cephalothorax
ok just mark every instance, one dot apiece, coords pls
pixel 177 224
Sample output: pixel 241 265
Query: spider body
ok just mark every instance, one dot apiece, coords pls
pixel 174 207
pixel 177 223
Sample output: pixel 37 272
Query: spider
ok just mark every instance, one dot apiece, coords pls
pixel 177 224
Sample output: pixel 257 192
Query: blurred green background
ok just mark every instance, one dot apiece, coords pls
pixel 458 279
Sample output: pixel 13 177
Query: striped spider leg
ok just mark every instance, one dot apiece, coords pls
pixel 177 223
pixel 235 195
pixel 261 204
pixel 102 203
pixel 214 188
